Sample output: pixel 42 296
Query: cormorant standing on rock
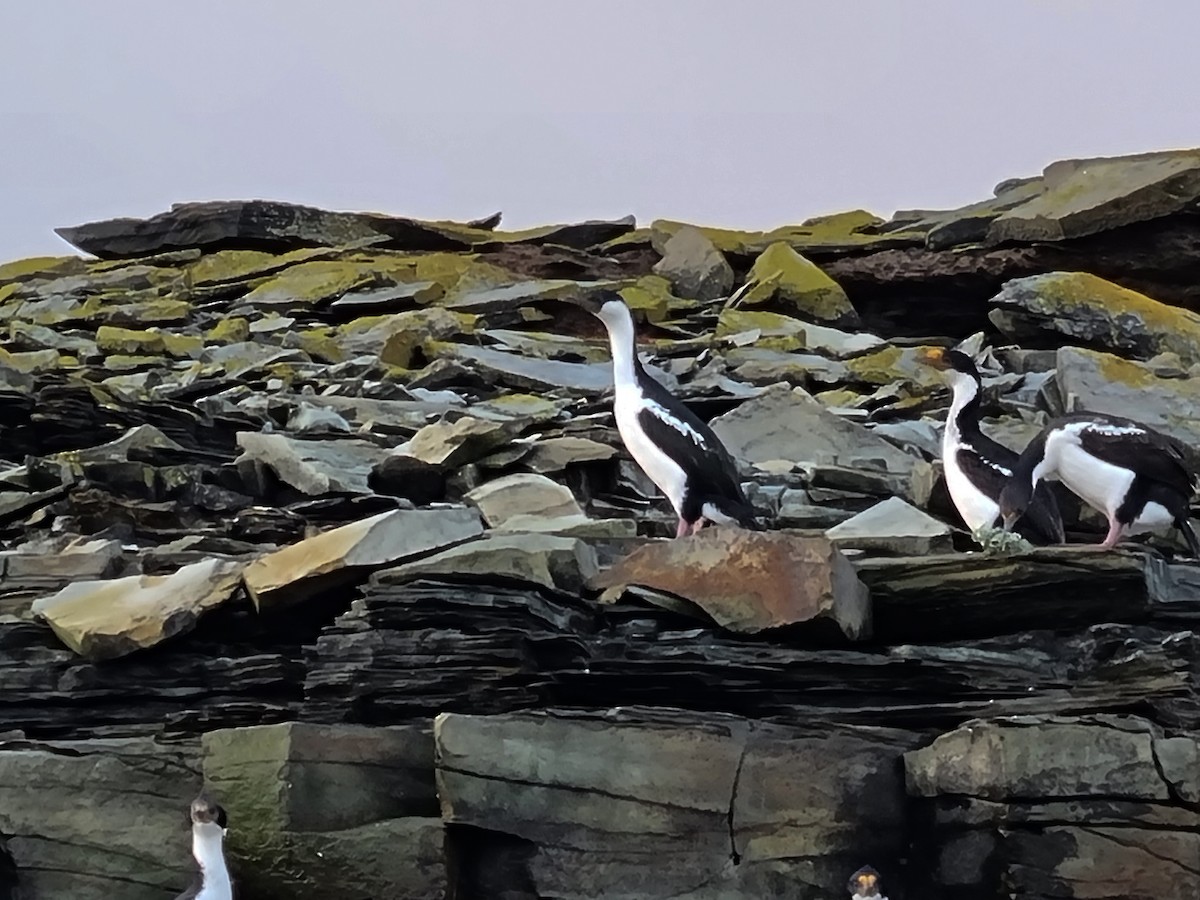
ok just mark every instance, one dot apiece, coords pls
pixel 1140 479
pixel 674 447
pixel 978 468
pixel 208 835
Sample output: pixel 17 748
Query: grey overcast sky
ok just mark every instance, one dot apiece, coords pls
pixel 740 113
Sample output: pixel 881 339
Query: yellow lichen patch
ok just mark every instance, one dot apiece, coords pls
pixel 735 321
pixel 1121 371
pixel 321 343
pixel 114 340
pixel 787 277
pixel 239 265
pixel 892 363
pixel 7 291
pixel 31 361
pixel 312 282
pixel 229 331
pixel 840 230
pixel 40 267
pixel 651 295
pixel 182 346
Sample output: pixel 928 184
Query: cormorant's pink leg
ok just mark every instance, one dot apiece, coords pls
pixel 698 524
pixel 681 529
pixel 1114 534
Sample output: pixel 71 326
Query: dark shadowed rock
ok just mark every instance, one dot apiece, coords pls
pixel 341 554
pixel 253 224
pixel 1084 802
pixel 748 581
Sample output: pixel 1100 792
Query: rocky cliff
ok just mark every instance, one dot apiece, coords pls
pixel 327 510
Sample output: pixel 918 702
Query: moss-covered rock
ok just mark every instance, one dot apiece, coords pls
pixel 31 361
pixel 112 339
pixel 41 267
pixel 838 233
pixel 650 295
pixel 229 331
pixel 239 265
pixel 1043 309
pixel 784 276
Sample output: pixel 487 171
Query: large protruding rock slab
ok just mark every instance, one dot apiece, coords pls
pixel 696 269
pixel 1085 196
pixel 726 807
pixel 252 224
pixel 107 619
pixel 330 811
pixel 1042 310
pixel 548 560
pixel 782 275
pixel 94 820
pixel 296 572
pixel 788 424
pixel 1096 806
pixel 751 581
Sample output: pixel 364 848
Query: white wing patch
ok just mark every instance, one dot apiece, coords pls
pixel 661 413
pixel 1107 429
pixel 995 466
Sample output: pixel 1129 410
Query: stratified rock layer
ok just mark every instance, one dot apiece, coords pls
pixel 328 510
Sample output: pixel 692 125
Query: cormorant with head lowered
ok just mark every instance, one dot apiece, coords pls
pixel 208 833
pixel 674 447
pixel 977 468
pixel 1140 479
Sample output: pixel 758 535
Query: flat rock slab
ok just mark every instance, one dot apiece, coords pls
pixel 522 494
pixel 788 424
pixel 592 797
pixel 751 581
pixel 893 526
pixel 552 561
pixel 252 224
pixel 1086 309
pixel 1084 196
pixel 313 467
pixel 450 444
pixel 108 619
pixel 296 572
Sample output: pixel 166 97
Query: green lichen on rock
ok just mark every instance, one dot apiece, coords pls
pixel 784 276
pixel 890 364
pixel 112 339
pixel 234 330
pixel 41 267
pixel 1090 310
pixel 31 361
pixel 312 282
pixel 650 295
pixel 238 265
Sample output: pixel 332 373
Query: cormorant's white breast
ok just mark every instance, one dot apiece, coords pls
pixel 674 447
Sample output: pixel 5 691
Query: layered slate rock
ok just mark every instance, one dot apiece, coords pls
pixel 1097 806
pixel 108 619
pixel 748 581
pixel 578 802
pixel 252 391
pixel 323 811
pixel 58 799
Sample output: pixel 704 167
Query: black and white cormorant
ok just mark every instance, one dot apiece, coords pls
pixel 865 885
pixel 1140 479
pixel 208 836
pixel 674 447
pixel 978 468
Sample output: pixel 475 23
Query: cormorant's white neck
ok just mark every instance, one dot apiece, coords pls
pixel 965 389
pixel 619 322
pixel 207 841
